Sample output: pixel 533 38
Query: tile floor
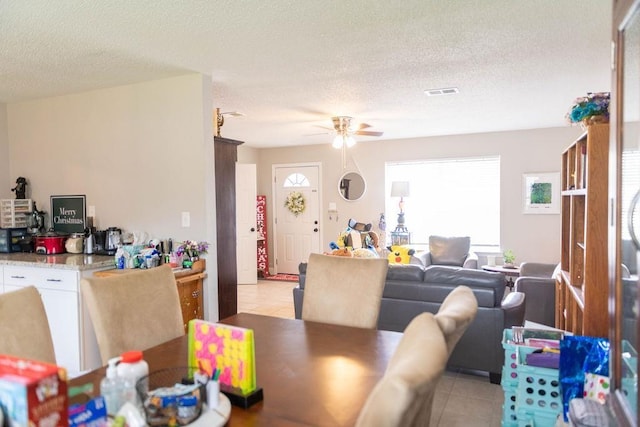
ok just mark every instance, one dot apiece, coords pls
pixel 462 398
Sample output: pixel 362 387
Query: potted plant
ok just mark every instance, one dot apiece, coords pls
pixel 509 258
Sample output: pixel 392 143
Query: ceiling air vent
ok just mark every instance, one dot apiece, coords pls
pixel 442 91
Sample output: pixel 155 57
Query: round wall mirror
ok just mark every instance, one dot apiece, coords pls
pixel 351 186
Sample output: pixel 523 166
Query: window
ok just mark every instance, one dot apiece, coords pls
pixel 296 180
pixel 448 197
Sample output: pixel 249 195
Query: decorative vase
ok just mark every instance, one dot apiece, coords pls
pixel 591 120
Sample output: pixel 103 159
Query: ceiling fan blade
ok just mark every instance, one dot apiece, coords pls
pixel 368 133
pixel 315 134
pixel 324 127
pixel 363 126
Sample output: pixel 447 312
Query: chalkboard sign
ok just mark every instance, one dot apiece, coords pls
pixel 68 214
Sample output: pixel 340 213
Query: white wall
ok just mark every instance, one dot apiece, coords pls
pixel 5 180
pixel 142 154
pixel 531 237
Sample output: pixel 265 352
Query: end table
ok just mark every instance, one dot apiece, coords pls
pixel 510 273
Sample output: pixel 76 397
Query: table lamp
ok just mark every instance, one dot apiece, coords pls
pixel 400 189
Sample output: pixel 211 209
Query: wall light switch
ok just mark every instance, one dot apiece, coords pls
pixel 186 219
pixel 332 207
pixel 91 211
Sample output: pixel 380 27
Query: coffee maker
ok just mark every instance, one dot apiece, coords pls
pixel 112 240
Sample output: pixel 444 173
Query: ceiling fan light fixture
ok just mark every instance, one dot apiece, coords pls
pixel 337 141
pixel 350 141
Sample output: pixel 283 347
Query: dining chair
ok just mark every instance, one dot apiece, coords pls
pixel 404 395
pixel 24 327
pixel 133 311
pixel 344 291
pixel 455 314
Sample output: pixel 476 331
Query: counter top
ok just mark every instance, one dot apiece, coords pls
pixel 59 261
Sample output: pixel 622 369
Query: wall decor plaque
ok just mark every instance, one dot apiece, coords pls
pixel 69 213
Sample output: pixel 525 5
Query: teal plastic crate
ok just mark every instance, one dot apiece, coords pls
pixel 509 372
pixel 512 356
pixel 536 418
pixel 510 407
pixel 538 388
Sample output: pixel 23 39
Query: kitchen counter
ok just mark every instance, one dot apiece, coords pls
pixel 78 262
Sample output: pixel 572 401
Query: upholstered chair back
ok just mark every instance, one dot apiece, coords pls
pixel 344 291
pixel 404 395
pixel 24 327
pixel 457 311
pixel 133 311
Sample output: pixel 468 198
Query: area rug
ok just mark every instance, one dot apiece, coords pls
pixel 283 277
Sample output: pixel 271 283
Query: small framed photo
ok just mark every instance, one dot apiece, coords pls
pixel 541 193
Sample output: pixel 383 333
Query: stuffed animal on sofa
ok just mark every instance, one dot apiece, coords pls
pixel 346 252
pixel 359 235
pixel 400 254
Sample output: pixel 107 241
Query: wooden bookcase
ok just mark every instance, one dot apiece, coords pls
pixel 582 285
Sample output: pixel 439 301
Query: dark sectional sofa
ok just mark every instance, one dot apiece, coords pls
pixel 413 289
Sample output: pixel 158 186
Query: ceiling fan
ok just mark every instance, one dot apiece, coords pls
pixel 345 131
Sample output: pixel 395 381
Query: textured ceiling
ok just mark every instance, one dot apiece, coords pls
pixel 289 65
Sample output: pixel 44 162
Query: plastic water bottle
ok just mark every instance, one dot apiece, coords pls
pixel 111 388
pixel 130 369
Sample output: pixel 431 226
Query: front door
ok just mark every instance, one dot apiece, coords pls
pixel 297 233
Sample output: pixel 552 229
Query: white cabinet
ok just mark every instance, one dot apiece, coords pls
pixel 72 332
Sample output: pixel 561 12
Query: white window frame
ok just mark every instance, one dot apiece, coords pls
pixel 486 223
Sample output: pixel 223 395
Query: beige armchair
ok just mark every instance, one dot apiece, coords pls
pixel 404 395
pixel 133 311
pixel 344 291
pixel 24 327
pixel 455 314
pixel 453 251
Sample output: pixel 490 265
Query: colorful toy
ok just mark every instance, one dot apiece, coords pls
pixel 346 252
pixel 365 253
pixel 400 254
pixel 224 349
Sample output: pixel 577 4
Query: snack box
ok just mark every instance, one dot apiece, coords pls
pixel 33 393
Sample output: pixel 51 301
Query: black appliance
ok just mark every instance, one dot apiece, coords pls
pixel 10 239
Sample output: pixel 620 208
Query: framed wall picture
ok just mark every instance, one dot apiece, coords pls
pixel 541 193
pixel 68 214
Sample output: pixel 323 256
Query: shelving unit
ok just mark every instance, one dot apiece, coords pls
pixel 582 286
pixel 13 212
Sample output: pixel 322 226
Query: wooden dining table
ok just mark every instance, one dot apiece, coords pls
pixel 312 374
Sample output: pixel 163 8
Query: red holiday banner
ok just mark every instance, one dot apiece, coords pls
pixel 261 222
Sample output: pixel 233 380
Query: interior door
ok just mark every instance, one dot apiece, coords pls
pixel 246 235
pixel 296 235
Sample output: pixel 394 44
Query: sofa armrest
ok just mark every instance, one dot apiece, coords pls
pixel 424 257
pixel 471 261
pixel 513 306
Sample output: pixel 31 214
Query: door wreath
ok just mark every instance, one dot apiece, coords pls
pixel 295 203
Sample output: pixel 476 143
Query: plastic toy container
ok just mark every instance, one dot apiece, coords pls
pixel 532 395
